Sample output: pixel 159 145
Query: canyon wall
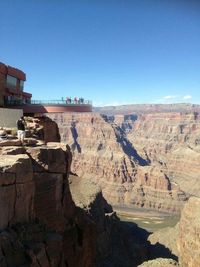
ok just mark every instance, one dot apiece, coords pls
pixel 188 241
pixel 183 240
pixel 52 218
pixel 40 224
pixel 103 153
pixel 172 142
pixel 147 108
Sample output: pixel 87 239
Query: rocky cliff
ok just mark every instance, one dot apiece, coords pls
pixel 188 241
pixel 171 141
pixel 40 224
pixel 183 240
pixel 103 153
pixel 51 218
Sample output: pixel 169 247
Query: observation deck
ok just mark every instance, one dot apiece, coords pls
pixel 52 106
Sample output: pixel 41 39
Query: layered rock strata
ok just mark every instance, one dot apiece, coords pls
pixel 49 219
pixel 188 240
pixel 171 141
pixel 102 153
pixel 147 108
pixel 35 193
pixel 183 240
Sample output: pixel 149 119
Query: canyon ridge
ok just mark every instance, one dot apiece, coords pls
pixel 73 166
pixel 148 160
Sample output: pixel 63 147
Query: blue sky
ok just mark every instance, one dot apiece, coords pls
pixel 108 51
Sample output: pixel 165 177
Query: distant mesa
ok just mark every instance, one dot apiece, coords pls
pixel 147 108
pixel 12 95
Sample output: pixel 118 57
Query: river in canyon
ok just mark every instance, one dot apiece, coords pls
pixel 149 220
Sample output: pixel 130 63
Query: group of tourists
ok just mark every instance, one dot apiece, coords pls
pixel 76 100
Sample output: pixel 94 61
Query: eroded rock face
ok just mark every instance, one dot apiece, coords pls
pixel 16 189
pixel 123 248
pixel 50 220
pixel 183 240
pixel 166 237
pixel 102 153
pixel 188 240
pixel 37 210
pixel 42 128
pixel 171 141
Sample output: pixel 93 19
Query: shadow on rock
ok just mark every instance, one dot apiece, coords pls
pixel 130 247
pixel 75 145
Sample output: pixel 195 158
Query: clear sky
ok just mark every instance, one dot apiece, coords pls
pixel 108 51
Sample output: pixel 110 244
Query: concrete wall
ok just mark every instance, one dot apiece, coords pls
pixel 8 117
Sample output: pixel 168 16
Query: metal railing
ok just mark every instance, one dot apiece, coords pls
pixel 61 102
pixel 19 102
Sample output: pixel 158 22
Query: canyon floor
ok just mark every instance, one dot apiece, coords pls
pixel 146 219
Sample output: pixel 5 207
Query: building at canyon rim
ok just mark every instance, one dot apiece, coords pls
pixel 13 96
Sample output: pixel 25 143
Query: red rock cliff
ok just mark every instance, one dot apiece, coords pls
pixel 102 153
pixel 172 142
pixel 37 209
pixel 188 240
pixel 49 219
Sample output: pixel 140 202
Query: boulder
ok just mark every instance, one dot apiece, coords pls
pixel 159 263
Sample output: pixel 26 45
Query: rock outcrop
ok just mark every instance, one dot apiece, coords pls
pixel 183 240
pixel 16 189
pixel 167 237
pixel 35 198
pixel 117 244
pixel 42 128
pixel 159 263
pixel 188 240
pixel 50 218
pixel 102 153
